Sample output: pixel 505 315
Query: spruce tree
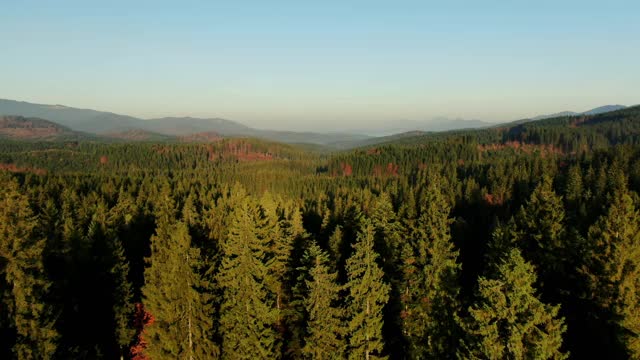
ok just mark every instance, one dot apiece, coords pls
pixel 508 321
pixel 388 232
pixel 183 326
pixel 335 245
pixel 22 271
pixel 542 235
pixel 368 295
pixel 430 289
pixel 121 291
pixel 575 195
pixel 107 298
pixel 247 316
pixel 325 325
pixel 123 307
pixel 388 243
pixel 613 269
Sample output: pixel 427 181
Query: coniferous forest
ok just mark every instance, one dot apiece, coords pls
pixel 514 242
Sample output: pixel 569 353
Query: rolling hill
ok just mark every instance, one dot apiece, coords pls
pixel 99 122
pixel 22 128
pixel 595 111
pixel 565 133
pixel 139 135
pixel 123 127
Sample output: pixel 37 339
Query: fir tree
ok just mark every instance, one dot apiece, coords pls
pixel 613 269
pixel 431 287
pixel 335 247
pixel 388 243
pixel 388 232
pixel 247 317
pixel 107 299
pixel 183 316
pixel 508 321
pixel 22 271
pixel 325 325
pixel 368 294
pixel 542 232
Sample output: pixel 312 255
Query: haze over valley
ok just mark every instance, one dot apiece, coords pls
pixel 109 125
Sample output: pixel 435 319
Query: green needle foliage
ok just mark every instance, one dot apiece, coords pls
pixel 183 326
pixel 170 250
pixel 613 270
pixel 247 315
pixel 368 294
pixel 430 291
pixel 22 277
pixel 542 227
pixel 325 325
pixel 508 321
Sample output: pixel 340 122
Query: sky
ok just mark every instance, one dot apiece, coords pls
pixel 322 65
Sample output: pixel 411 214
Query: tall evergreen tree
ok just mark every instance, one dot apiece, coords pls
pixel 103 294
pixel 368 294
pixel 542 233
pixel 22 272
pixel 183 325
pixel 335 245
pixel 388 243
pixel 613 269
pixel 388 232
pixel 575 194
pixel 121 291
pixel 430 288
pixel 325 325
pixel 508 321
pixel 247 315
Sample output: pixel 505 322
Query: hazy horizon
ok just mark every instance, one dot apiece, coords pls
pixel 329 66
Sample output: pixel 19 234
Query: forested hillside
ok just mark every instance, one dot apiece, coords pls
pixel 21 128
pixel 518 242
pixel 107 124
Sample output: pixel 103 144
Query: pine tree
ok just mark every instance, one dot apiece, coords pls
pixel 508 321
pixel 388 243
pixel 325 327
pixel 183 324
pixel 22 271
pixel 247 315
pixel 335 247
pixel 503 239
pixel 430 289
pixel 575 194
pixel 280 227
pixel 278 239
pixel 118 270
pixel 108 298
pixel 613 269
pixel 542 232
pixel 388 231
pixel 368 294
pixel 123 307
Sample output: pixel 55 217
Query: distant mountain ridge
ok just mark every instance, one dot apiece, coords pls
pixel 605 128
pixel 100 122
pixel 435 124
pixel 594 111
pixel 23 128
pixel 139 135
pixel 128 128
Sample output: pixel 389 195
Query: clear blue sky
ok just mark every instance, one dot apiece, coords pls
pixel 322 64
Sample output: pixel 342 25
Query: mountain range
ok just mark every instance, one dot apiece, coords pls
pixel 595 111
pixel 29 121
pixel 434 124
pixel 107 123
pixel 24 128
